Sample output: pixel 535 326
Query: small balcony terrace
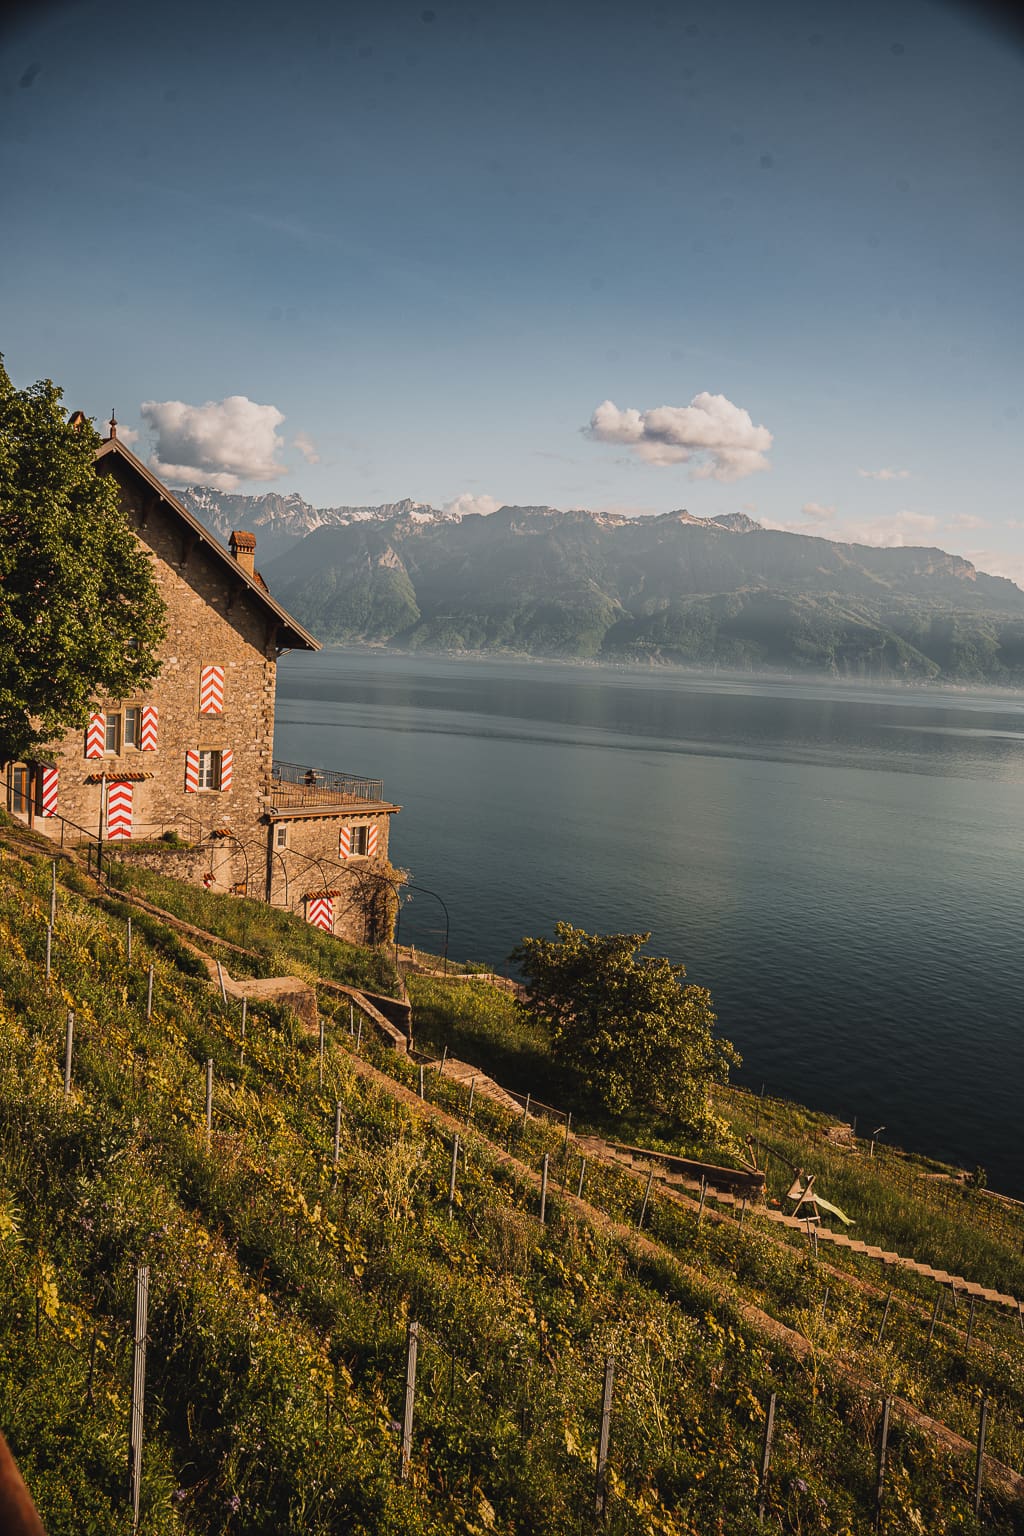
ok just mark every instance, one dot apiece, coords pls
pixel 294 787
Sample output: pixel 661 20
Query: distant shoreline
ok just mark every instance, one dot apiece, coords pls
pixel 765 675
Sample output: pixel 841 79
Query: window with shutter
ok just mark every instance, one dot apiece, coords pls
pixel 211 691
pixel 119 811
pixel 94 735
pixel 150 720
pixel 48 792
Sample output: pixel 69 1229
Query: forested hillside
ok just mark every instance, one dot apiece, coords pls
pixel 666 589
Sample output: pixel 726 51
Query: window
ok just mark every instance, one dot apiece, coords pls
pixel 281 836
pixel 360 836
pixel 209 770
pixel 121 728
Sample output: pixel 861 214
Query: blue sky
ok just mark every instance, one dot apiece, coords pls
pixel 430 243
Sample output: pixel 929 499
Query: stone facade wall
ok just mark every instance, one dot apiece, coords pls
pixel 217 864
pixel 309 863
pixel 211 620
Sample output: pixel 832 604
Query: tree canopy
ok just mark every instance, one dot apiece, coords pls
pixel 80 614
pixel 625 1023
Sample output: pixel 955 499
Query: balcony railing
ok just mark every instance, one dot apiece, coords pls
pixel 293 786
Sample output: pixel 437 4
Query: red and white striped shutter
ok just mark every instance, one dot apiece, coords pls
pixel 95 736
pixel 371 840
pixel 320 912
pixel 119 812
pixel 227 758
pixel 49 794
pixel 345 843
pixel 211 691
pixel 150 717
pixel 191 772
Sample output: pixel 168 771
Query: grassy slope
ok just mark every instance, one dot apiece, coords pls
pixel 279 1293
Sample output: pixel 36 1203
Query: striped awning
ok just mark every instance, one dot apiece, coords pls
pixel 127 777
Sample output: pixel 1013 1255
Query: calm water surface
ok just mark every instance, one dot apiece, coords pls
pixel 842 867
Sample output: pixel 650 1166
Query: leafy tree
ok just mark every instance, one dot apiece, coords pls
pixel 80 614
pixel 625 1023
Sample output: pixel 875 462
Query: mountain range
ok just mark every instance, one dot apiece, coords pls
pixel 676 588
pixel 281 521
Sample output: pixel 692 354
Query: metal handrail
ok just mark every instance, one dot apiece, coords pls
pixel 322 786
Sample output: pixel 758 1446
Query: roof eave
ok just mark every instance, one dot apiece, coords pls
pixel 295 637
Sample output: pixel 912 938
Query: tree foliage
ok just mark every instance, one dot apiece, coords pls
pixel 626 1023
pixel 80 614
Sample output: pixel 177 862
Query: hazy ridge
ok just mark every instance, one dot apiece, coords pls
pixel 674 588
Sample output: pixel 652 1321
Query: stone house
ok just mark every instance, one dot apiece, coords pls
pixel 192 754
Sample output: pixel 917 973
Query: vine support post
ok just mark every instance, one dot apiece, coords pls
pixel 883 1453
pixel 604 1434
pixel 979 1465
pixel 411 1350
pixel 138 1391
pixel 766 1457
pixel 451 1181
pixel 69 1045
pixel 647 1196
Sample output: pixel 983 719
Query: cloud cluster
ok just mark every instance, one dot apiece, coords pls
pixel 719 435
pixel 817 512
pixel 306 446
pixel 220 443
pixel 467 503
pixel 884 474
pixel 901 530
pixel 905 528
pixel 998 562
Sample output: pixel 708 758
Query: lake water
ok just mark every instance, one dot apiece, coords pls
pixel 841 866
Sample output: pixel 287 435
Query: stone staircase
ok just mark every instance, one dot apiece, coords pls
pixel 684 1189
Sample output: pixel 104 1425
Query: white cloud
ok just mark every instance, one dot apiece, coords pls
pixel 884 474
pixel 467 503
pixel 306 446
pixel 998 562
pixel 127 435
pixel 817 512
pixel 220 443
pixel 903 529
pixel 749 506
pixel 968 520
pixel 720 435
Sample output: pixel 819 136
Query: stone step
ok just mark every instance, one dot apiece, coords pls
pixel 799 1224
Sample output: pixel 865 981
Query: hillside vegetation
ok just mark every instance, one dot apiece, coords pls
pixel 282 1285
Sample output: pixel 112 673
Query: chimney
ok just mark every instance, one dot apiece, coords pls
pixel 243 546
